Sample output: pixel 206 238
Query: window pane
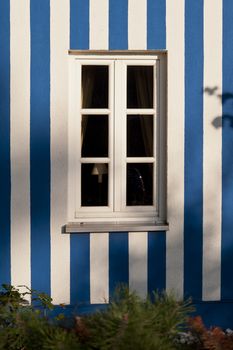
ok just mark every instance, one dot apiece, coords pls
pixel 140 87
pixel 94 184
pixel 94 86
pixel 95 136
pixel 139 184
pixel 140 136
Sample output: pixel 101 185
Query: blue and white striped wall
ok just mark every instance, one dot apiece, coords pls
pixel 195 257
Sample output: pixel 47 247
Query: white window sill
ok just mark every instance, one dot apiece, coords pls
pixel 75 227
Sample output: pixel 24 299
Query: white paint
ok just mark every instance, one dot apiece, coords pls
pixel 137 24
pixel 212 161
pixel 99 24
pixel 175 166
pixel 20 142
pixel 138 248
pixel 60 244
pixel 99 268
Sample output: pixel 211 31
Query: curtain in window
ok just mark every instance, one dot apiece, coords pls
pixel 145 98
pixel 87 93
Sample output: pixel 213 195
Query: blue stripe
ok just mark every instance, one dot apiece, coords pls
pixel 156 24
pixel 118 24
pixel 5 142
pixel 80 268
pixel 215 313
pixel 156 261
pixel 79 24
pixel 118 260
pixel 40 145
pixel 227 152
pixel 193 209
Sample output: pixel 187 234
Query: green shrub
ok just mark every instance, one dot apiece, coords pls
pixel 132 323
pixel 127 323
pixel 32 332
pixel 24 327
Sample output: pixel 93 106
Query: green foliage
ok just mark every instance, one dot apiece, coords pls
pixel 40 299
pixel 32 332
pixel 24 327
pixel 133 323
pixel 128 323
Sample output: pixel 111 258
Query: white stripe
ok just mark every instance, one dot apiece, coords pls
pixel 137 24
pixel 138 248
pixel 99 24
pixel 212 161
pixel 60 247
pixel 175 46
pixel 99 293
pixel 20 144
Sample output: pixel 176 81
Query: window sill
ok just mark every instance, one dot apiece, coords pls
pixel 75 227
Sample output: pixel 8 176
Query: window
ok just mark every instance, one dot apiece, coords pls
pixel 117 129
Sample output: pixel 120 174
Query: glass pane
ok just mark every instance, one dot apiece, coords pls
pixel 95 136
pixel 139 184
pixel 140 136
pixel 94 184
pixel 140 87
pixel 94 86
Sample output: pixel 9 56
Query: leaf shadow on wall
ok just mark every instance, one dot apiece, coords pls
pixel 224 121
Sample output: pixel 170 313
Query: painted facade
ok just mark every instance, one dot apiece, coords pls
pixel 195 257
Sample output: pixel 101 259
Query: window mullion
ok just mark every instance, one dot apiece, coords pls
pixel 120 134
pixel 76 142
pixel 156 133
pixel 111 135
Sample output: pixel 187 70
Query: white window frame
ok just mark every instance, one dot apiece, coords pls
pixel 117 212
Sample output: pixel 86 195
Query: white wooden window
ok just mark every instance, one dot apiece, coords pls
pixel 117 147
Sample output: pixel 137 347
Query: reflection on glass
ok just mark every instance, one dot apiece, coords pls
pixel 94 184
pixel 139 184
pixel 140 136
pixel 94 136
pixel 94 86
pixel 140 87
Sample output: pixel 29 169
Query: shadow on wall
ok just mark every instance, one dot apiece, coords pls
pixel 220 123
pixel 226 119
pixel 226 123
